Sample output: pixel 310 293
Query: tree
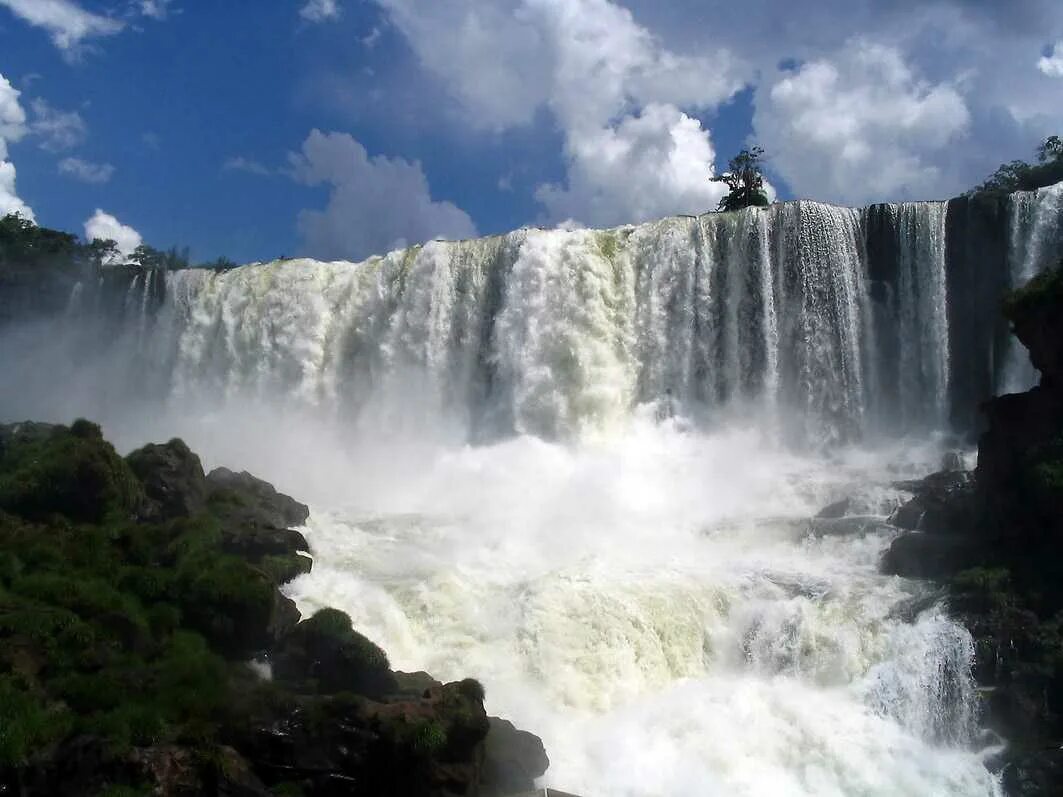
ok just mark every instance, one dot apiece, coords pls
pixel 745 181
pixel 1022 176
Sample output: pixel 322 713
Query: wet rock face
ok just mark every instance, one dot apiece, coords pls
pixel 919 554
pixel 943 504
pixel 514 759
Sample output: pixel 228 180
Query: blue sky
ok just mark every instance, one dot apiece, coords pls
pixel 193 123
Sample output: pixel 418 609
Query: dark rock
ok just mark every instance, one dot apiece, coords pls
pixel 513 759
pixel 173 479
pixel 1034 312
pixel 1036 773
pixel 835 510
pixel 414 684
pixel 1011 456
pixel 944 503
pixel 429 745
pixel 918 554
pixel 180 772
pixel 325 652
pixel 257 520
pixel 256 499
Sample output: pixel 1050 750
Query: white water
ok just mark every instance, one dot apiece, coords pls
pixel 763 313
pixel 657 610
pixel 1036 243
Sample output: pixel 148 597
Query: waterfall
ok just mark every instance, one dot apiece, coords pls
pixel 923 306
pixel 1035 243
pixel 551 459
pixel 765 314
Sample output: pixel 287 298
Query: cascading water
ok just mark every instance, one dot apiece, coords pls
pixel 563 333
pixel 582 466
pixel 1035 243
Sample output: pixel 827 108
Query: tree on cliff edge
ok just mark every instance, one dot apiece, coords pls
pixel 745 181
pixel 1023 176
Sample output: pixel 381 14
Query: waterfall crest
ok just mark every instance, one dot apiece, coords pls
pixel 769 314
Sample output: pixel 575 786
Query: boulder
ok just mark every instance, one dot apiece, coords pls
pixel 256 521
pixel 255 500
pixel 944 503
pixel 325 653
pixel 173 479
pixel 513 759
pixel 918 554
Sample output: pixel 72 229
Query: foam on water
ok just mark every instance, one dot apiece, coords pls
pixel 656 608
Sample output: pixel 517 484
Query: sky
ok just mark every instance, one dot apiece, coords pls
pixel 337 129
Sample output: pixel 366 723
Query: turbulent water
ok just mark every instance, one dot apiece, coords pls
pixel 582 466
pixel 561 334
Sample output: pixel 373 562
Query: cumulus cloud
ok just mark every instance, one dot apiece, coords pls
pixel 861 127
pixel 616 92
pixel 57 130
pixel 86 171
pixel 1052 64
pixel 105 227
pixel 647 166
pixel 375 204
pixel 66 22
pixel 319 10
pixel 12 128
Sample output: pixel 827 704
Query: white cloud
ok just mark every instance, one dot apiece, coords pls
pixel 375 204
pixel 617 93
pixel 647 166
pixel 67 23
pixel 370 40
pixel 319 10
pixel 57 130
pixel 861 127
pixel 156 9
pixel 12 128
pixel 248 165
pixel 105 227
pixel 1052 64
pixel 86 171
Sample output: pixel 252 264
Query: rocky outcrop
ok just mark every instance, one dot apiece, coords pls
pixel 994 537
pixel 132 594
pixel 173 479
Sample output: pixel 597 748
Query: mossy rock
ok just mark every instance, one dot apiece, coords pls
pixel 228 601
pixel 173 479
pixel 71 472
pixel 325 651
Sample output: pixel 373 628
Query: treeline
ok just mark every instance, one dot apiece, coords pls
pixel 26 248
pixel 1022 176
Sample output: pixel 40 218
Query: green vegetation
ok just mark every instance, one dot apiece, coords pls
pixel 1042 294
pixel 28 251
pixel 1023 176
pixel 126 625
pixel 745 180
